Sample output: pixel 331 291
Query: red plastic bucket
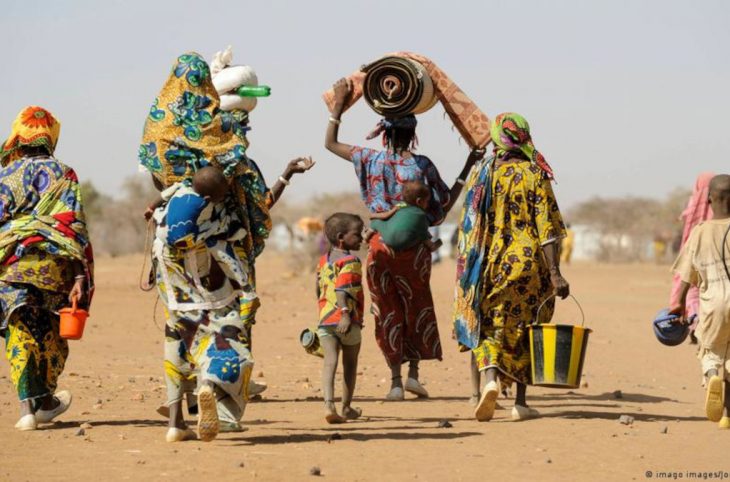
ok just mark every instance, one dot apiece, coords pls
pixel 73 321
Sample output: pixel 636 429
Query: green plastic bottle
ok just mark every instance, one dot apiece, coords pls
pixel 254 91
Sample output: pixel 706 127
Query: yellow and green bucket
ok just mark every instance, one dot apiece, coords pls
pixel 558 352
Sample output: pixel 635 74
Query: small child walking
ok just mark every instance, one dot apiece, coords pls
pixel 341 303
pixel 704 262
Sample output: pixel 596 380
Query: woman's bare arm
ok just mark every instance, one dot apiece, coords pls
pixel 560 285
pixel 342 90
pixel 295 166
pixel 474 156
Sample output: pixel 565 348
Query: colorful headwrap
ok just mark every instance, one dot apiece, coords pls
pixel 184 130
pixel 33 127
pixel 511 133
pixel 386 126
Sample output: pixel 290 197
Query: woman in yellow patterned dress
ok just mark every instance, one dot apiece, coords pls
pixel 508 261
pixel 45 262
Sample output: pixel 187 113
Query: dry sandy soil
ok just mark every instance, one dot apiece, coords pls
pixel 115 374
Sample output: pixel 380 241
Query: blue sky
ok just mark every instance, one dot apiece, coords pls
pixel 624 97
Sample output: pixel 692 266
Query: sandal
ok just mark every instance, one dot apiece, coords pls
pixel 487 403
pixel 64 401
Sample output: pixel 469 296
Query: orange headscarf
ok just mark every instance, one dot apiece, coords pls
pixel 33 127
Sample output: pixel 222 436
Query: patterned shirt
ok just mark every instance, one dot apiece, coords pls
pixel 42 226
pixel 343 275
pixel 382 174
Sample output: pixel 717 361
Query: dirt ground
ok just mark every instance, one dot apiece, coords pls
pixel 115 374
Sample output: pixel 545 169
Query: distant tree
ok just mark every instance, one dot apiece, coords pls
pixel 93 200
pixel 117 225
pixel 628 225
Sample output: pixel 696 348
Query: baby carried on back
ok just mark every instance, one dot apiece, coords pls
pixel 193 221
pixel 406 225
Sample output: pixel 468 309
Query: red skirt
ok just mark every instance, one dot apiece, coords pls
pixel 405 320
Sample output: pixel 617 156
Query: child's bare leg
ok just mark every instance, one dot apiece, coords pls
pixel 349 365
pixel 331 347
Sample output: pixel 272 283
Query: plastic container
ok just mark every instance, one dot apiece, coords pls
pixel 310 342
pixel 669 329
pixel 557 352
pixel 73 321
pixel 254 91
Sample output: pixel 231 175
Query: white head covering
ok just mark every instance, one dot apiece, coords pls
pixel 227 78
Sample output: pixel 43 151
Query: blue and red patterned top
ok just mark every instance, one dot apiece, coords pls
pixel 382 174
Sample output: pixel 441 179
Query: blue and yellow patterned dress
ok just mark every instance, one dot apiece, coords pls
pixel 43 245
pixel 510 212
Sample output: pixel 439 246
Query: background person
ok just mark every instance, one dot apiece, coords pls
pixel 697 211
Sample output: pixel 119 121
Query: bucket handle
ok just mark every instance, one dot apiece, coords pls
pixel 74 304
pixel 582 313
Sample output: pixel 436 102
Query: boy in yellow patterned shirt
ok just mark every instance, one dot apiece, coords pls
pixel 340 294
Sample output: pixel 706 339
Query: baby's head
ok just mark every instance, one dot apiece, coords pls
pixel 211 184
pixel 344 230
pixel 416 193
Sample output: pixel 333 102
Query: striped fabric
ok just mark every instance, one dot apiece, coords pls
pixel 558 353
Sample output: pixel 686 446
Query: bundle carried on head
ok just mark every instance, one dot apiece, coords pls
pixel 186 130
pixel 227 79
pixel 396 87
pixel 405 83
